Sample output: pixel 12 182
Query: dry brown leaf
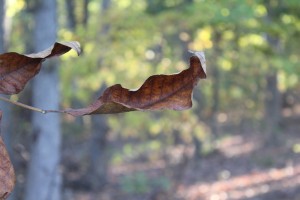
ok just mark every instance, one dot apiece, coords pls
pixel 158 92
pixel 7 174
pixel 17 69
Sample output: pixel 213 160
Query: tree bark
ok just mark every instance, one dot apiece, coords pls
pixel 5 107
pixel 105 5
pixel 85 12
pixel 2 8
pixel 44 178
pixel 273 97
pixel 216 88
pixel 272 102
pixel 98 153
pixel 70 7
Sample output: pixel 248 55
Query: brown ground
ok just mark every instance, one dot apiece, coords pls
pixel 244 167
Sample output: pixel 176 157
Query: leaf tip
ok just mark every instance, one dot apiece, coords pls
pixel 75 45
pixel 201 56
pixel 78 47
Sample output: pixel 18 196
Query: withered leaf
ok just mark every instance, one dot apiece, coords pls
pixel 157 92
pixel 17 69
pixel 7 174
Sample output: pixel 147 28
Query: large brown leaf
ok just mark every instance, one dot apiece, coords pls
pixel 7 174
pixel 17 69
pixel 158 92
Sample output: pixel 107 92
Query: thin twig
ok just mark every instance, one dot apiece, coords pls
pixel 23 105
pixel 55 111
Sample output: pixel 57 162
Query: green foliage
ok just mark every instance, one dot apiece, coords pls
pixel 140 183
pixel 137 183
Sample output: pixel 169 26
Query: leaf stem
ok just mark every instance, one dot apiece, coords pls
pixel 23 105
pixel 54 111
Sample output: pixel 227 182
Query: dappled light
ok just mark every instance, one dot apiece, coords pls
pixel 247 186
pixel 237 146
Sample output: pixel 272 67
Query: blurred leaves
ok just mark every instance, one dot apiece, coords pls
pixel 139 183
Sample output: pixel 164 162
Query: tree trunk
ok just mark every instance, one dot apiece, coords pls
pixel 85 12
pixel 105 5
pixel 272 102
pixel 44 178
pixel 2 9
pixel 104 8
pixel 216 88
pixel 4 107
pixel 197 95
pixel 98 153
pixel 273 97
pixel 99 156
pixel 70 7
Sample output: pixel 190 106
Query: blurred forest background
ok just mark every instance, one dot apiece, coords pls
pixel 239 141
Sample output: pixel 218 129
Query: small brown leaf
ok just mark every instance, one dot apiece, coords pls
pixel 7 174
pixel 17 69
pixel 158 92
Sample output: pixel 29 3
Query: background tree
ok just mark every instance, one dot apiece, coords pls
pixel 44 178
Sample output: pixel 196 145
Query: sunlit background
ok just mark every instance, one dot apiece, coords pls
pixel 239 141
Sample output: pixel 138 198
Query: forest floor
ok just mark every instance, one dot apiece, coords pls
pixel 244 166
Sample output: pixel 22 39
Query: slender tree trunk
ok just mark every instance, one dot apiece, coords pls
pixel 99 156
pixel 85 12
pixel 273 97
pixel 3 105
pixel 6 108
pixel 216 88
pixel 44 178
pixel 105 5
pixel 98 153
pixel 272 102
pixel 104 8
pixel 2 9
pixel 197 95
pixel 70 7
